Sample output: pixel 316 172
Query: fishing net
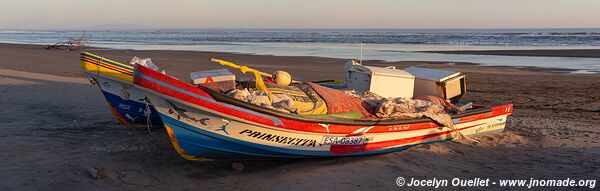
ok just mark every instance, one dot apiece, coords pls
pixel 340 102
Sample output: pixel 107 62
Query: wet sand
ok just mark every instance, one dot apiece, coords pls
pixel 583 53
pixel 55 126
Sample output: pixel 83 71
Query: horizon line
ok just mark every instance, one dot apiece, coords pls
pixel 284 28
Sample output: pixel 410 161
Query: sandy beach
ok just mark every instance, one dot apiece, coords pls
pixel 55 126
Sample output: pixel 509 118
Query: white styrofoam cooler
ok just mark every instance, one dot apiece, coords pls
pixel 386 82
pixel 449 85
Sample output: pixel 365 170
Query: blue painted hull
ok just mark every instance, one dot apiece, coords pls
pixel 132 111
pixel 212 146
pixel 197 142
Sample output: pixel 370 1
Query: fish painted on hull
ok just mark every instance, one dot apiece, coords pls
pixel 181 113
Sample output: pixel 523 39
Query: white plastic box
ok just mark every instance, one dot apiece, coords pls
pixel 223 79
pixel 449 85
pixel 386 82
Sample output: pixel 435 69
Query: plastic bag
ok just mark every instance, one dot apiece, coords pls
pixel 145 62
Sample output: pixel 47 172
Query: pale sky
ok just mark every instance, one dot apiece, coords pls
pixel 157 14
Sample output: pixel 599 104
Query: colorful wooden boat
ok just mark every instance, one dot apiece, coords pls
pixel 114 80
pixel 207 125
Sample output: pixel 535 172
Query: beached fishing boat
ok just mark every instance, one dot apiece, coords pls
pixel 204 124
pixel 115 81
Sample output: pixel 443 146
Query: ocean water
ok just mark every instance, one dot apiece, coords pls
pixel 377 44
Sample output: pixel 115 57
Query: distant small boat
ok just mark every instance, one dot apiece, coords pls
pixel 204 124
pixel 114 80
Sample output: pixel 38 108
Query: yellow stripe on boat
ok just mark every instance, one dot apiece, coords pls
pixel 179 150
pixel 102 66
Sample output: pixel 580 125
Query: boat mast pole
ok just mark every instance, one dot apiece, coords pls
pixel 361 53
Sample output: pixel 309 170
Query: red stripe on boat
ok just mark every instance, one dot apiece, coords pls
pixel 108 65
pixel 348 149
pixel 170 80
pixel 189 98
pixel 197 101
